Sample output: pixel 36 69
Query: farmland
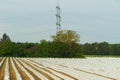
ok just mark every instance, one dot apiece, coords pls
pixel 92 68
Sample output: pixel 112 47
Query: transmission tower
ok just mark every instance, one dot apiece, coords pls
pixel 58 17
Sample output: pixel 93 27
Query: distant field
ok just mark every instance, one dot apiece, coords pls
pixel 91 68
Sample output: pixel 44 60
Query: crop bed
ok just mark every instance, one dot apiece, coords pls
pixel 59 68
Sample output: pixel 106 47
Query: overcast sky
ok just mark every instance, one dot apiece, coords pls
pixel 34 20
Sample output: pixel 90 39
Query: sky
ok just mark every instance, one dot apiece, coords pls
pixel 34 20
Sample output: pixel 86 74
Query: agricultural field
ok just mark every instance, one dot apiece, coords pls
pixel 91 68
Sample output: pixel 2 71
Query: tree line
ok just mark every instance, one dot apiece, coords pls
pixel 64 45
pixel 103 48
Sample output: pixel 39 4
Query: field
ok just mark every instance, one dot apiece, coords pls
pixel 92 68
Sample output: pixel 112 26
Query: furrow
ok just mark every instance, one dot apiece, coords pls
pixel 2 69
pixel 42 77
pixel 45 69
pixel 29 71
pixel 21 70
pixel 7 74
pixel 57 72
pixel 1 62
pixel 66 75
pixel 53 77
pixel 12 72
pixel 16 72
pixel 95 74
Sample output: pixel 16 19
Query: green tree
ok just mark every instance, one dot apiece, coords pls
pixel 115 49
pixel 67 36
pixel 87 48
pixel 43 49
pixel 7 48
pixel 5 37
pixel 66 44
pixel 104 48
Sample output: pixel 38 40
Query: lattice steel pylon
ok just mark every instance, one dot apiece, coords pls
pixel 58 17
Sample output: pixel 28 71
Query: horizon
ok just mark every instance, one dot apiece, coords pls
pixel 51 40
pixel 32 21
